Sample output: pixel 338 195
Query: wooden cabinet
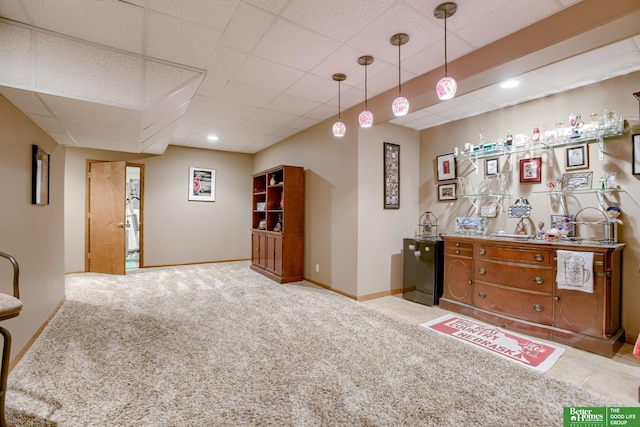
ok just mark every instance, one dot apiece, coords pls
pixel 277 230
pixel 512 283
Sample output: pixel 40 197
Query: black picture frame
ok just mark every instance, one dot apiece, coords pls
pixel 492 166
pixel 446 192
pixel 391 156
pixel 40 174
pixel 446 167
pixel 635 148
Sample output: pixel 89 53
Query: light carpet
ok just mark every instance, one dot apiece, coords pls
pixel 221 345
pixel 528 351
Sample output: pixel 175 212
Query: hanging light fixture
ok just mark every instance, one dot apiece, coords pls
pixel 400 105
pixel 447 86
pixel 366 117
pixel 339 128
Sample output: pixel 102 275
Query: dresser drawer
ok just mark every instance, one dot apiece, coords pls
pixel 524 305
pixel 534 278
pixel 458 248
pixel 531 256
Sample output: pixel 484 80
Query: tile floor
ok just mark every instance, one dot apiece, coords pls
pixel 618 377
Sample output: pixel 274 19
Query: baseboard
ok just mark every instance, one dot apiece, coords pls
pixel 357 298
pixel 29 343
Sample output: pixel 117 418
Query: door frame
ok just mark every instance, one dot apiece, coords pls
pixel 86 211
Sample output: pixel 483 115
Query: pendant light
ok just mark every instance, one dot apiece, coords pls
pixel 366 117
pixel 339 128
pixel 447 86
pixel 400 105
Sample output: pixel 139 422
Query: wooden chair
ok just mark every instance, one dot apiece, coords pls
pixel 10 306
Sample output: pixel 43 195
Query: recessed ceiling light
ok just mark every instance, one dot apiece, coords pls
pixel 508 84
pixel 212 138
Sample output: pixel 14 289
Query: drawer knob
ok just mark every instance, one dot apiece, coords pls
pixel 538 280
pixel 556 299
pixel 457 252
pixel 538 307
pixel 482 271
pixel 482 251
pixel 482 295
pixel 538 257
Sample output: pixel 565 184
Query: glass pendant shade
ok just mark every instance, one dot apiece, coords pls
pixel 339 129
pixel 400 106
pixel 446 88
pixel 365 119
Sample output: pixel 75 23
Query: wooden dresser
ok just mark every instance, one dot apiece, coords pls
pixel 512 283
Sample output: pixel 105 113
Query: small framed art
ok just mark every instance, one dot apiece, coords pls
pixel 577 180
pixel 39 176
pixel 446 167
pixel 491 166
pixel 576 157
pixel 563 223
pixel 391 176
pixel 202 184
pixel 447 192
pixel 531 170
pixel 635 140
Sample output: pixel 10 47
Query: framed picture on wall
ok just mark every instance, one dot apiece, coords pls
pixel 635 140
pixel 39 176
pixel 202 184
pixel 446 167
pixel 391 176
pixel 576 157
pixel 447 192
pixel 531 170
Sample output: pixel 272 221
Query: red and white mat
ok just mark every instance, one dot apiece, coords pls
pixel 535 354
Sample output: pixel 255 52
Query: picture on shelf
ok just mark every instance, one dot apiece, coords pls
pixel 446 167
pixel 531 170
pixel 468 225
pixel 447 192
pixel 577 180
pixel 577 157
pixel 491 166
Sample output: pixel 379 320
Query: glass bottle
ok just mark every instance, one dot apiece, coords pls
pixel 535 137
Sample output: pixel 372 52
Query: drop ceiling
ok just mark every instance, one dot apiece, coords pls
pixel 139 75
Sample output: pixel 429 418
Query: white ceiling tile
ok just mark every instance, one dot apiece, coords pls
pixel 13 10
pixel 212 13
pixel 288 44
pixel 246 94
pixel 302 123
pixel 229 109
pixel 27 102
pixel 221 68
pixel 273 117
pixel 292 104
pixel 15 56
pixel 337 18
pixel 266 74
pixel 246 28
pixel 67 108
pixel 180 41
pixel 47 123
pixel 313 88
pixel 273 6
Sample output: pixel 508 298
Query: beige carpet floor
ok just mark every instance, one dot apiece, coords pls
pixel 220 345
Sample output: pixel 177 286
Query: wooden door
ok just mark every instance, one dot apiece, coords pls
pixel 274 250
pixel 458 279
pixel 106 218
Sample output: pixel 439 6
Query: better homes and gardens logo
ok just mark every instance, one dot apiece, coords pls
pixel 601 417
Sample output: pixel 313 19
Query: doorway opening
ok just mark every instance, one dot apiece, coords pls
pixel 132 217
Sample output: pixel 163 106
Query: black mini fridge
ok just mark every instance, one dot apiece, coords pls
pixel 422 271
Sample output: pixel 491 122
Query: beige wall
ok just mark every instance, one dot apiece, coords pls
pixel 176 231
pixel 612 94
pixel 355 242
pixel 32 234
